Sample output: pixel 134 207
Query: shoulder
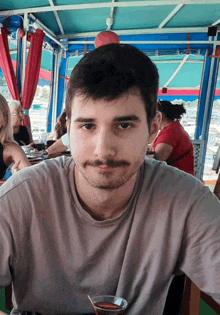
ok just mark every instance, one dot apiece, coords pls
pixel 168 135
pixel 39 176
pixel 169 183
pixel 12 148
pixel 177 198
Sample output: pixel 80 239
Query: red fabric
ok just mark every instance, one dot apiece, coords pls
pixel 6 65
pixel 179 140
pixel 32 71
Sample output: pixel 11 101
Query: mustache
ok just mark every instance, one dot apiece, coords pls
pixel 109 163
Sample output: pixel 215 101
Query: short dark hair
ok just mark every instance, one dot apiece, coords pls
pixel 171 111
pixel 112 70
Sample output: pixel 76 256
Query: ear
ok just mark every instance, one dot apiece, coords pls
pixel 155 125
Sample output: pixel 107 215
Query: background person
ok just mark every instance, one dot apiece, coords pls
pixel 173 144
pixel 60 135
pixel 9 150
pixel 61 144
pixel 107 220
pixel 60 128
pixel 22 134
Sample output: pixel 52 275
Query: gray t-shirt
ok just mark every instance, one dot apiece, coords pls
pixel 55 253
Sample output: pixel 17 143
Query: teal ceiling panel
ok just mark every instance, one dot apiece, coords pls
pixel 48 19
pixel 140 17
pixel 71 64
pixel 177 57
pixel 46 60
pixel 124 18
pixel 64 2
pixel 189 76
pixel 84 20
pixel 195 15
pixel 165 71
pixel 22 4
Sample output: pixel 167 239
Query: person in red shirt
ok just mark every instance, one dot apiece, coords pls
pixel 173 144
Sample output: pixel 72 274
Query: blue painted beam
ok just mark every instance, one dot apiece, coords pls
pixel 62 81
pixel 49 118
pixel 207 94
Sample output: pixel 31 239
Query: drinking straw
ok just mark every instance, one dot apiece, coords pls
pixel 93 305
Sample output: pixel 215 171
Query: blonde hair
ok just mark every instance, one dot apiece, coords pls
pixel 13 104
pixel 6 135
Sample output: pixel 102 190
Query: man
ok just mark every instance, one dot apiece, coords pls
pixel 107 221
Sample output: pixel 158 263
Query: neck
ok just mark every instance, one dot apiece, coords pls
pixel 103 204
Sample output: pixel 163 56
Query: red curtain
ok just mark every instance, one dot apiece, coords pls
pixel 32 72
pixel 6 64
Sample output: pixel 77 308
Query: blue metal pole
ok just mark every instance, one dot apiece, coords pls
pixel 49 117
pixel 208 84
pixel 62 81
pixel 19 51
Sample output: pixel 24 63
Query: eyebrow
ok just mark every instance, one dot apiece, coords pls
pixel 126 118
pixel 82 119
pixel 116 119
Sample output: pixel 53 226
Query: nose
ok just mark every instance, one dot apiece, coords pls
pixel 105 145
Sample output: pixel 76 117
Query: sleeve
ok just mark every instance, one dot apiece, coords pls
pixel 201 254
pixel 166 136
pixel 6 251
pixel 65 140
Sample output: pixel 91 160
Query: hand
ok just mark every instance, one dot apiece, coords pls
pixel 14 170
pixel 2 313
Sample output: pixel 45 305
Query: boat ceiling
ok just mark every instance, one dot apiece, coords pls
pixel 161 28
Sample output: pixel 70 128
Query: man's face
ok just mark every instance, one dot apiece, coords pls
pixel 108 139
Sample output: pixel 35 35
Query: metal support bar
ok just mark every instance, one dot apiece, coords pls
pixel 50 109
pixel 55 91
pixel 139 32
pixel 109 20
pixel 210 71
pixel 61 83
pixel 24 51
pixel 47 31
pixel 41 25
pixel 171 15
pixel 57 17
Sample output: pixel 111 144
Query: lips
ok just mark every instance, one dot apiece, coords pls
pixel 105 167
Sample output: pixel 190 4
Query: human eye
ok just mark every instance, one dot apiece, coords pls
pixel 125 126
pixel 87 127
